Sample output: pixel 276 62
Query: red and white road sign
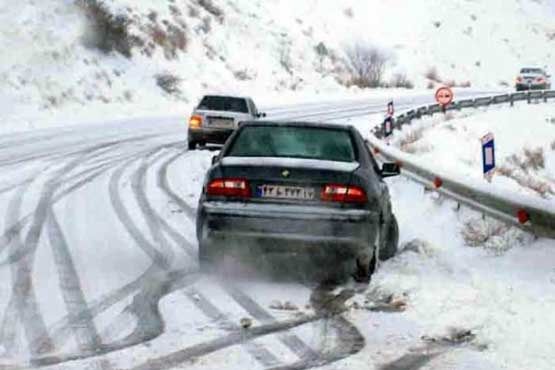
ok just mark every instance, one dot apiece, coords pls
pixel 444 96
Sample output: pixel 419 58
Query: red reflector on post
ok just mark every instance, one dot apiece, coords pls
pixel 229 188
pixel 523 216
pixel 376 151
pixel 438 182
pixel 343 193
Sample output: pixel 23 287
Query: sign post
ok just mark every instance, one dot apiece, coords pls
pixel 444 97
pixel 488 156
pixel 387 127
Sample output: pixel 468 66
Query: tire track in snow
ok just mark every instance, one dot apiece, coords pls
pixel 23 298
pixel 257 351
pixel 83 326
pixel 125 219
pixel 291 341
pixel 156 220
pixel 176 358
pixel 163 183
pixel 23 301
pixel 153 286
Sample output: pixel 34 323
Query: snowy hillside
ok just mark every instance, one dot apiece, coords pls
pixel 525 146
pixel 115 58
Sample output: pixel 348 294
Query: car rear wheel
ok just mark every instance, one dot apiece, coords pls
pixel 392 240
pixel 192 145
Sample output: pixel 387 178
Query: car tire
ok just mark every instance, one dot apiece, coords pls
pixel 192 145
pixel 392 240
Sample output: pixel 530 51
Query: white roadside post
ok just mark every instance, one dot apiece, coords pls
pixel 387 128
pixel 488 156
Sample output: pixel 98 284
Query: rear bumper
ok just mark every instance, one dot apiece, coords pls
pixel 320 232
pixel 541 86
pixel 209 135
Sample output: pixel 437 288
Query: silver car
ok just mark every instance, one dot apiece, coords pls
pixel 533 79
pixel 217 116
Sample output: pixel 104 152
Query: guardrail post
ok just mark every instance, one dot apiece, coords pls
pixel 512 100
pixel 544 96
pixel 529 97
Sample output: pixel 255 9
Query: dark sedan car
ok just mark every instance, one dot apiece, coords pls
pixel 298 192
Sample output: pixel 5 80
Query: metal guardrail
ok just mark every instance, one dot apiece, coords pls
pixel 534 215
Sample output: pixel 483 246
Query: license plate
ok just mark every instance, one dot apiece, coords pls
pixel 285 192
pixel 220 122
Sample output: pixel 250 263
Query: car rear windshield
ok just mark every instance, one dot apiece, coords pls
pixel 224 103
pixel 532 70
pixel 294 142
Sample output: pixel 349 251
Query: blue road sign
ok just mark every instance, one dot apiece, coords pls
pixel 488 155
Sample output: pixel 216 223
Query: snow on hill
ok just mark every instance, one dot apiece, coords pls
pixel 108 58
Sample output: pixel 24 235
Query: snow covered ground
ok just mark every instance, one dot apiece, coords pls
pixel 524 139
pixel 98 270
pixel 53 74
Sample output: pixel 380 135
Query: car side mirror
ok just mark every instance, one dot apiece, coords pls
pixel 261 115
pixel 390 169
pixel 214 159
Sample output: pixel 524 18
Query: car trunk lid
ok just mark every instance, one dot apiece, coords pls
pixel 286 180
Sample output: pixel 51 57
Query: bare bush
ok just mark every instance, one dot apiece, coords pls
pixel 107 32
pixel 209 6
pixel 400 80
pixel 520 167
pixel 410 138
pixel 553 145
pixel 477 232
pixel 432 74
pixel 170 38
pixel 531 159
pixel 169 83
pixel 348 12
pixel 367 64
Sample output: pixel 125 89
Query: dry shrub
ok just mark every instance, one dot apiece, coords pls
pixel 430 85
pixel 492 235
pixel 171 39
pixel 107 32
pixel 520 167
pixel 367 64
pixel 432 75
pixel 553 145
pixel 406 144
pixel 531 159
pixel 348 12
pixel 209 6
pixel 400 80
pixel 169 83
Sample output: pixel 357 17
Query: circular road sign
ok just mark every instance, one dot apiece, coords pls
pixel 444 96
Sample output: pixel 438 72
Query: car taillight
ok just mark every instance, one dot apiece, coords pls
pixel 229 188
pixel 195 121
pixel 519 79
pixel 539 79
pixel 343 193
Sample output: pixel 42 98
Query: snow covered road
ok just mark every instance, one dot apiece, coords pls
pixel 98 263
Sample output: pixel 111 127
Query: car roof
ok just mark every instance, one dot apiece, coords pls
pixel 539 68
pixel 225 96
pixel 297 124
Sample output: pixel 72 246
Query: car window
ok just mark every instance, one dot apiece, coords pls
pixel 224 103
pixel 294 142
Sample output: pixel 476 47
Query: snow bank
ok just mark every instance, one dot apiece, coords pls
pixel 525 147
